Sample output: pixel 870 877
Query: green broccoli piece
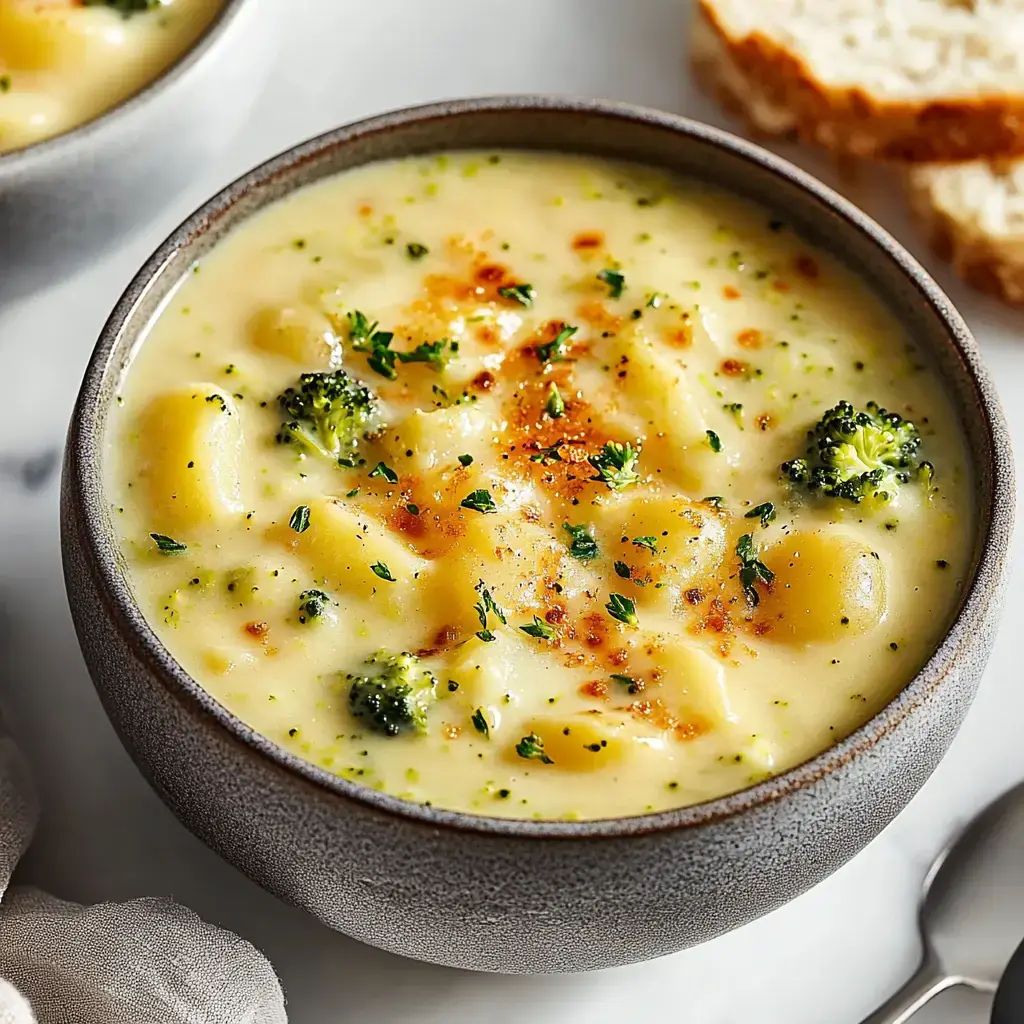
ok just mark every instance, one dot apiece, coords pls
pixel 396 698
pixel 329 413
pixel 855 456
pixel 314 605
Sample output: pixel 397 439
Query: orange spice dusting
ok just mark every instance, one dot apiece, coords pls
pixel 694 596
pixel 595 629
pixel 450 731
pixel 764 421
pixel 594 313
pixel 682 337
pixel 684 731
pixel 484 381
pixel 750 338
pixel 733 367
pixel 780 285
pixel 730 292
pixel 587 241
pixel 257 630
pixel 595 688
pixel 619 656
pixel 365 210
pixel 808 267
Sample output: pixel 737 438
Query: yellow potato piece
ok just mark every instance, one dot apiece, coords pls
pixel 27 117
pixel 437 439
pixel 519 562
pixel 190 445
pixel 689 541
pixel 300 334
pixel 827 586
pixel 693 686
pixel 44 34
pixel 585 742
pixel 340 546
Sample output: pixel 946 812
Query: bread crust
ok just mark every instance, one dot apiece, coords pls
pixel 744 73
pixel 990 263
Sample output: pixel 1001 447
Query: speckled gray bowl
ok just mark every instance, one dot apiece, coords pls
pixel 68 197
pixel 524 895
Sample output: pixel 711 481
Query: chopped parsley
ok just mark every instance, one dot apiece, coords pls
pixel 714 441
pixel 431 352
pixel 631 685
pixel 765 512
pixel 299 521
pixel 650 543
pixel 532 749
pixel 479 501
pixel 466 460
pixel 555 406
pixel 413 510
pixel 540 629
pixel 622 609
pixel 480 722
pixel 716 501
pixel 167 545
pixel 616 465
pixel 377 344
pixel 483 608
pixel 582 544
pixel 383 470
pixel 381 570
pixel 615 281
pixel 736 409
pixel 623 570
pixel 752 569
pixel 524 294
pixel 548 455
pixel 556 351
pixel 416 251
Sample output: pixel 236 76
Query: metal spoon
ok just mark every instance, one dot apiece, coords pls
pixel 972 910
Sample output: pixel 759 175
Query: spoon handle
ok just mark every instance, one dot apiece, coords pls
pixel 928 981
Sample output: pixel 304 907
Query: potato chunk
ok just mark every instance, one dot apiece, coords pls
pixel 342 544
pixel 827 586
pixel 587 741
pixel 300 334
pixel 57 34
pixel 519 562
pixel 693 687
pixel 190 445
pixel 682 542
pixel 437 439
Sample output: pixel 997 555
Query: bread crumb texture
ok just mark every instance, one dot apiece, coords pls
pixel 917 80
pixel 974 215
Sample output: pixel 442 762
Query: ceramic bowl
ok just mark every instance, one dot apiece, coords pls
pixel 533 896
pixel 67 197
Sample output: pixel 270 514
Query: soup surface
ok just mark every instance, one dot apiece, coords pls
pixel 64 62
pixel 521 544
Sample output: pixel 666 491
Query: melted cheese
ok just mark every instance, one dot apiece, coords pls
pixel 720 346
pixel 63 62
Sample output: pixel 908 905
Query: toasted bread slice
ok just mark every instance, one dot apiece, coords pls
pixel 974 215
pixel 913 80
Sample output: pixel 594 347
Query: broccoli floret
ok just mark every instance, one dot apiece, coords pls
pixel 314 605
pixel 855 455
pixel 395 699
pixel 329 413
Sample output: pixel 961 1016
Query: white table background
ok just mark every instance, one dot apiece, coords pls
pixel 826 958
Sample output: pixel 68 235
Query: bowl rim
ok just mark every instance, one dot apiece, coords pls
pixel 85 497
pixel 24 161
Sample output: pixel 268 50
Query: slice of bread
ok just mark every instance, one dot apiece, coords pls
pixel 974 215
pixel 915 80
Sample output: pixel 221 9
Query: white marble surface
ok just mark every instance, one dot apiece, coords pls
pixel 826 958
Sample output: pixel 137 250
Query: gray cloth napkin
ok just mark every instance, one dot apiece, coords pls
pixel 148 961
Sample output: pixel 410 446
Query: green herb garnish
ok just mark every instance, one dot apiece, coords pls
pixel 752 569
pixel 650 543
pixel 383 470
pixel 480 722
pixel 416 251
pixel 714 441
pixel 548 455
pixel 616 465
pixel 615 281
pixel 622 609
pixel 555 406
pixel 532 748
pixel 539 629
pixel 466 460
pixel 479 501
pixel 765 512
pixel 582 544
pixel 521 293
pixel 381 570
pixel 483 607
pixel 623 570
pixel 556 351
pixel 168 545
pixel 299 521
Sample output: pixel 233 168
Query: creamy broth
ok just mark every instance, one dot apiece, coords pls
pixel 64 62
pixel 662 665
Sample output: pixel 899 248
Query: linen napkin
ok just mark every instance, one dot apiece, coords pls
pixel 147 961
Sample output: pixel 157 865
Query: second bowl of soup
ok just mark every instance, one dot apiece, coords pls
pixel 544 560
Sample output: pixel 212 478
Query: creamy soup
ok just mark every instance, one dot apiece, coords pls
pixel 522 485
pixel 64 62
